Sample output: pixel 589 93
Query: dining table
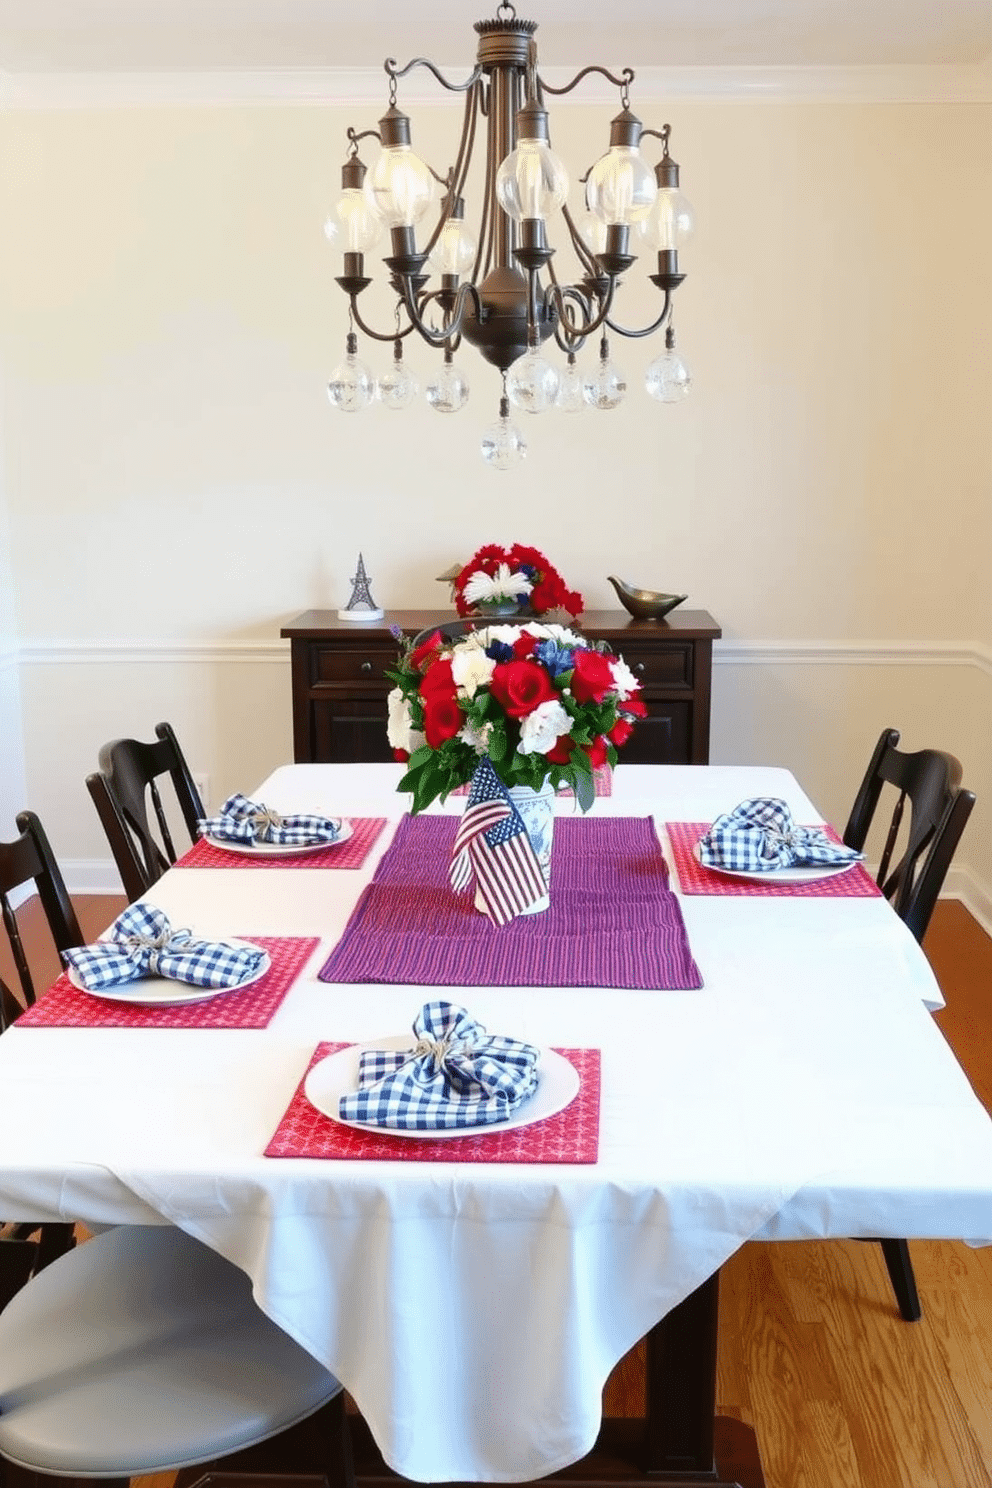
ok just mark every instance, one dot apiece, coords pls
pixel 769 1072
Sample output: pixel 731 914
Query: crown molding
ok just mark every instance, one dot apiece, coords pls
pixel 345 86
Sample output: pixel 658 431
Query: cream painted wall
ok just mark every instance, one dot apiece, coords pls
pixel 168 320
pixel 13 787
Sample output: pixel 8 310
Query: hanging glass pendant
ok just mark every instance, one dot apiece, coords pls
pixel 352 386
pixel 571 398
pixel 398 387
pixel 502 445
pixel 532 383
pixel 668 378
pixel 605 386
pixel 447 391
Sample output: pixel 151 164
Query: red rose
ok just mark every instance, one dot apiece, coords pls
pixel 637 706
pixel 523 647
pixel 620 732
pixel 592 678
pixel 571 601
pixel 422 655
pixel 442 718
pixel 562 752
pixel 597 752
pixel 544 596
pixel 402 755
pixel 438 678
pixel 520 687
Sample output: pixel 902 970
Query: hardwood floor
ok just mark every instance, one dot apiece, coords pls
pixel 813 1354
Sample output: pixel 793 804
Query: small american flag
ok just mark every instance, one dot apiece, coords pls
pixel 492 846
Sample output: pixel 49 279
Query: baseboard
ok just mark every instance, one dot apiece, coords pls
pixel 961 883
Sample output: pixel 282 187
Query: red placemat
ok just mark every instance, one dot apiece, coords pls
pixel 350 854
pixel 602 778
pixel 856 883
pixel 571 1136
pixel 64 1006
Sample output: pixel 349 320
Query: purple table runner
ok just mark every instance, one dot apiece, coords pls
pixel 613 921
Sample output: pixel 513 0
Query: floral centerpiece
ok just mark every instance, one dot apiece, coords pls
pixel 541 701
pixel 499 580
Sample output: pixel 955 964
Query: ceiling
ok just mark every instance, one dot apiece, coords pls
pixel 108 36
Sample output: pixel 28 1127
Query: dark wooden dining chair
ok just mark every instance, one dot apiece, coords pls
pixel 128 779
pixel 918 849
pixel 28 861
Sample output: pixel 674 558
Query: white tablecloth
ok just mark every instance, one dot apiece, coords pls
pixel 474 1311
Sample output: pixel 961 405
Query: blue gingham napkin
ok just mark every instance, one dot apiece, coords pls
pixel 142 943
pixel 760 834
pixel 453 1075
pixel 241 820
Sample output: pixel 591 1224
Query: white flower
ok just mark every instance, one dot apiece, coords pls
pixel 398 729
pixel 541 730
pixel 624 679
pixel 471 669
pixel 501 585
pixel 476 737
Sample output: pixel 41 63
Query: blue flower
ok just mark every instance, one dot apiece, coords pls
pixel 499 652
pixel 554 658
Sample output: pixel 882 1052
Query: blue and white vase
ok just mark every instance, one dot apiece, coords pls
pixel 537 809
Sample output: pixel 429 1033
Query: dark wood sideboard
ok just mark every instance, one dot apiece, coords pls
pixel 340 683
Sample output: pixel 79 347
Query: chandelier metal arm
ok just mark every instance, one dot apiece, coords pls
pixel 394 335
pixel 622 82
pixel 647 330
pixel 394 73
pixel 455 180
pixel 565 341
pixel 466 292
pixel 555 298
pixel 582 253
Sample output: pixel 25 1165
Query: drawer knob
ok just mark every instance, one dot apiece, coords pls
pixel 639 667
pixel 366 666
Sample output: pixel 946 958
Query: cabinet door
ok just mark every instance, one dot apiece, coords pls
pixel 663 738
pixel 347 730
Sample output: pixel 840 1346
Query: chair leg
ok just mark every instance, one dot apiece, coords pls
pixel 900 1269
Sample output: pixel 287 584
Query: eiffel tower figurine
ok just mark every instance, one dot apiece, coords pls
pixel 361 605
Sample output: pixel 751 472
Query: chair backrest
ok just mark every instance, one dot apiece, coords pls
pixel 29 858
pixel 121 789
pixel 930 781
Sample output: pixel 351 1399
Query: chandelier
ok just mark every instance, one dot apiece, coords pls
pixel 499 290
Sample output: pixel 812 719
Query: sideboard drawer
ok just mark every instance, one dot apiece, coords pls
pixel 671 667
pixel 366 663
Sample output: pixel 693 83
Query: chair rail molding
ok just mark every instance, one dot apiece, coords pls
pixel 726 652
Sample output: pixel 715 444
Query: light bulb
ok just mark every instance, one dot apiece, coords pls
pixel 670 222
pixel 355 222
pixel 398 387
pixel 502 445
pixel 454 251
pixel 621 187
pixel 570 397
pixel 532 383
pixel 402 185
pixel 352 386
pixel 447 391
pixel 531 182
pixel 605 386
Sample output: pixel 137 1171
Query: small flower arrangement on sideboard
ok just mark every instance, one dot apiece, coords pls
pixel 511 581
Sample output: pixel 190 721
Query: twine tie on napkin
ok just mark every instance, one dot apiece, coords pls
pixel 243 820
pixel 760 834
pixel 454 1075
pixel 142 943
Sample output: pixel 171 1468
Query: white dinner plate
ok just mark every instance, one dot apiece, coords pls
pixel 337 1075
pixel 282 849
pixel 781 875
pixel 166 991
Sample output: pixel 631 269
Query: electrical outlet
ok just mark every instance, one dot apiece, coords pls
pixel 202 783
